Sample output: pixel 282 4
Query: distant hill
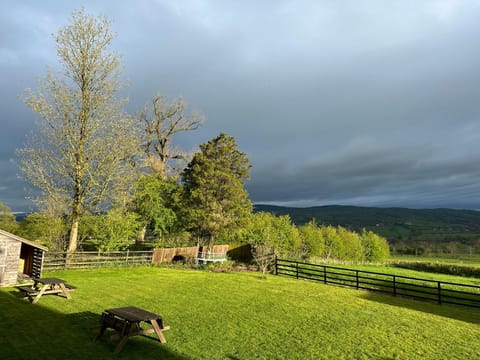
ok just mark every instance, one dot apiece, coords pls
pixel 20 216
pixel 432 225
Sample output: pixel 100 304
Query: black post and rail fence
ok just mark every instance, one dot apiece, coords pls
pixel 423 289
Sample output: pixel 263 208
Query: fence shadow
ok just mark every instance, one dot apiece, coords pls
pixel 456 312
pixel 34 331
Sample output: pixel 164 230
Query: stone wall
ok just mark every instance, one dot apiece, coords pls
pixel 9 256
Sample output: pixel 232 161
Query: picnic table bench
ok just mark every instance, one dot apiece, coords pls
pixel 46 286
pixel 127 322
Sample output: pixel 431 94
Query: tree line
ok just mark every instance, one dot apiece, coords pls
pixel 267 233
pixel 111 179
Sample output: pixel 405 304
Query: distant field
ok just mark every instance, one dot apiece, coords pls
pixel 471 260
pixel 389 269
pixel 235 316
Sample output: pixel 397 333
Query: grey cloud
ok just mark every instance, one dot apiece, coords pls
pixel 400 178
pixel 334 102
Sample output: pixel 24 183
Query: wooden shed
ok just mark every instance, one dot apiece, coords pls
pixel 19 256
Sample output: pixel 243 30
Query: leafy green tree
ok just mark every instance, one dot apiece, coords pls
pixel 375 247
pixel 79 156
pixel 51 232
pixel 214 194
pixel 332 242
pixel 113 231
pixel 271 235
pixel 8 222
pixel 350 245
pixel 312 237
pixel 155 201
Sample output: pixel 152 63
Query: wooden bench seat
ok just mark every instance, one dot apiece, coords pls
pixel 28 290
pixel 70 287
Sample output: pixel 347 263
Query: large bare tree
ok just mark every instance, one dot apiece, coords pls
pixel 162 120
pixel 79 156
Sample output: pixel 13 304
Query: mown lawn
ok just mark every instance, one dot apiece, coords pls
pixel 234 316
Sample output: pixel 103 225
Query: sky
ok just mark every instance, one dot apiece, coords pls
pixel 367 103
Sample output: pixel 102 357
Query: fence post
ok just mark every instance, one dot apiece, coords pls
pixel 296 268
pixel 439 292
pixel 276 264
pixel 394 286
pixel 324 274
pixel 356 277
pixel 126 257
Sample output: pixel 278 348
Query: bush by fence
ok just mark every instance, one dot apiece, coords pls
pixel 424 289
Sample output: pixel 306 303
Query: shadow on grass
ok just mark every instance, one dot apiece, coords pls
pixel 457 312
pixel 33 331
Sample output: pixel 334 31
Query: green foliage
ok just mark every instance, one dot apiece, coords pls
pixel 409 231
pixel 338 243
pixel 175 239
pixel 51 232
pixel 154 201
pixel 239 251
pixel 277 232
pixel 214 196
pixel 374 246
pixel 311 234
pixel 76 157
pixel 7 219
pixel 113 231
pixel 271 235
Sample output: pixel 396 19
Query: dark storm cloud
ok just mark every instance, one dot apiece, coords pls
pixel 390 176
pixel 367 103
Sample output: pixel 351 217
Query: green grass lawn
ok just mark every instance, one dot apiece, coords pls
pixel 234 316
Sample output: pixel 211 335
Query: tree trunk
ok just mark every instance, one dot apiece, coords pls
pixel 141 235
pixel 210 242
pixel 73 241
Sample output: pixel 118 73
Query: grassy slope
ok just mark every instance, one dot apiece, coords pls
pixel 235 316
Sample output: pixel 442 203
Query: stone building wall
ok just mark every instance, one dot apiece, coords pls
pixel 9 255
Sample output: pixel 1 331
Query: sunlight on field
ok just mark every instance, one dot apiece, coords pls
pixel 237 316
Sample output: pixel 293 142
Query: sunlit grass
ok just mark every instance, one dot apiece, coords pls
pixel 461 259
pixel 235 316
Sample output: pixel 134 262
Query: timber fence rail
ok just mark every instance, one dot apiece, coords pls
pixel 95 259
pixel 422 289
pixel 92 259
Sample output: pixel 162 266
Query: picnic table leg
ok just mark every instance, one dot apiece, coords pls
pixel 121 343
pixel 102 328
pixel 158 331
pixel 65 291
pixel 40 293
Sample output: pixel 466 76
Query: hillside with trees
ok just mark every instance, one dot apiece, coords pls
pixel 409 231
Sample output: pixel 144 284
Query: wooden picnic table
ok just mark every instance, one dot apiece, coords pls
pixel 127 322
pixel 46 286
